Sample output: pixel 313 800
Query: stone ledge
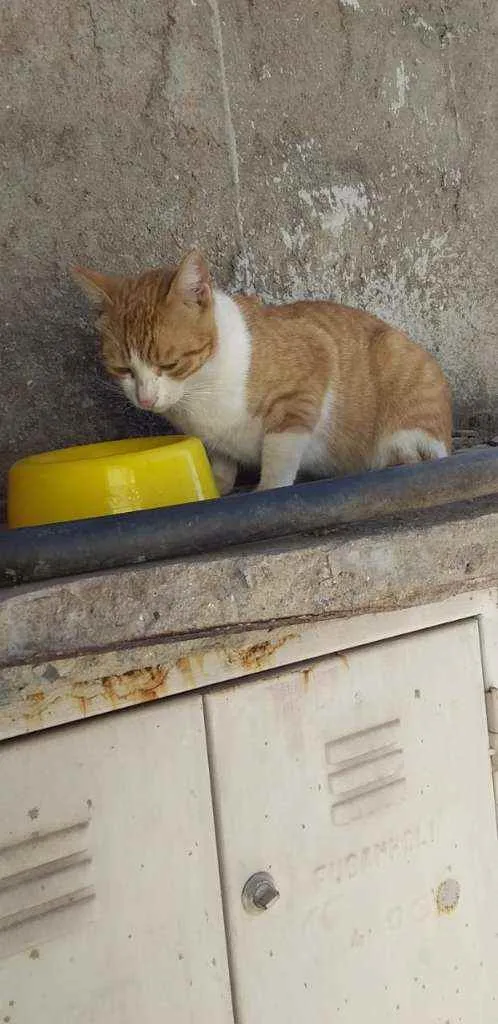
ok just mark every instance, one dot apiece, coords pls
pixel 372 567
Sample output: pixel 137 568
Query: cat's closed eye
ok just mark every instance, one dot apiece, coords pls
pixel 120 371
pixel 168 367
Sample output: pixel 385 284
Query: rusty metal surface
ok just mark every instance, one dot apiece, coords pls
pixel 37 696
pixel 41 694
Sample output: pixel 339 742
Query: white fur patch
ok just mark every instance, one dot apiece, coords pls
pixel 408 446
pixel 149 390
pixel 214 402
pixel 224 472
pixel 282 455
pixel 316 457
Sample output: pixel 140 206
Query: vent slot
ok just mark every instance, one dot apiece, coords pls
pixel 367 771
pixel 45 885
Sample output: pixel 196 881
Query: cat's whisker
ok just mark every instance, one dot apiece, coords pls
pixel 191 400
pixel 108 385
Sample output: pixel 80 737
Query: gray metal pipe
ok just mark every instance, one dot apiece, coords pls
pixel 66 549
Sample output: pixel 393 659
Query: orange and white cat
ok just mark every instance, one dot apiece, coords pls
pixel 309 386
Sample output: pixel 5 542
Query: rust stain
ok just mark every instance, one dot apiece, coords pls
pixel 343 658
pixel 184 665
pixel 37 706
pixel 108 687
pixel 197 659
pixel 82 704
pixel 35 714
pixel 149 694
pixel 141 684
pixel 255 657
pixel 147 683
pixel 447 896
pixel 306 674
pixel 83 700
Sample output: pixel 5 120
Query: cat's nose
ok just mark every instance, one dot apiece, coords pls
pixel 145 400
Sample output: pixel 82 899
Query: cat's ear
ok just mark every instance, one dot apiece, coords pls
pixel 99 288
pixel 192 281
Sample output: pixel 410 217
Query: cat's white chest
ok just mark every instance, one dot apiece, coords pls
pixel 223 426
pixel 214 407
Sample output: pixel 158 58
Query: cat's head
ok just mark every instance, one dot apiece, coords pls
pixel 157 330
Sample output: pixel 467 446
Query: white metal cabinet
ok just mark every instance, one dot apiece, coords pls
pixel 363 785
pixel 110 908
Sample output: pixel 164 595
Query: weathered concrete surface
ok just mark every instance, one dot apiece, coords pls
pixel 344 148
pixel 367 141
pixel 114 153
pixel 421 558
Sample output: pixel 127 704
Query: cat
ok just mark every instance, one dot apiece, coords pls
pixel 310 386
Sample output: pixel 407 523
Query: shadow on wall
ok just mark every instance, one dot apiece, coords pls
pixel 60 394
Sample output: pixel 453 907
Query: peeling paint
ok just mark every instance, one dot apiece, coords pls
pixel 306 197
pixel 421 23
pixel 295 238
pixel 348 200
pixel 342 203
pixel 432 249
pixel 402 85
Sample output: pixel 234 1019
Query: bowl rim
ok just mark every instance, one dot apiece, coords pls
pixel 112 450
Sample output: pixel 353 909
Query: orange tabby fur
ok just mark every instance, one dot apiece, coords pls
pixel 350 391
pixel 382 381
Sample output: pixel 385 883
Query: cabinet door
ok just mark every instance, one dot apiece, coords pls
pixel 362 784
pixel 110 905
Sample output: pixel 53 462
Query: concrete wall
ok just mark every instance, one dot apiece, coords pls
pixel 335 147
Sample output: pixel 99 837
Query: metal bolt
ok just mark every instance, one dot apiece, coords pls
pixel 259 892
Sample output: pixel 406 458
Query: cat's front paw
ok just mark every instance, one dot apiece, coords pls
pixel 224 472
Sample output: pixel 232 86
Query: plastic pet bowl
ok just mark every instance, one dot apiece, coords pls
pixel 104 479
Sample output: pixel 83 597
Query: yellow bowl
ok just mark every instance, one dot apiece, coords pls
pixel 104 479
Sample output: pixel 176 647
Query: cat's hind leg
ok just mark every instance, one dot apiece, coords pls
pixel 404 447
